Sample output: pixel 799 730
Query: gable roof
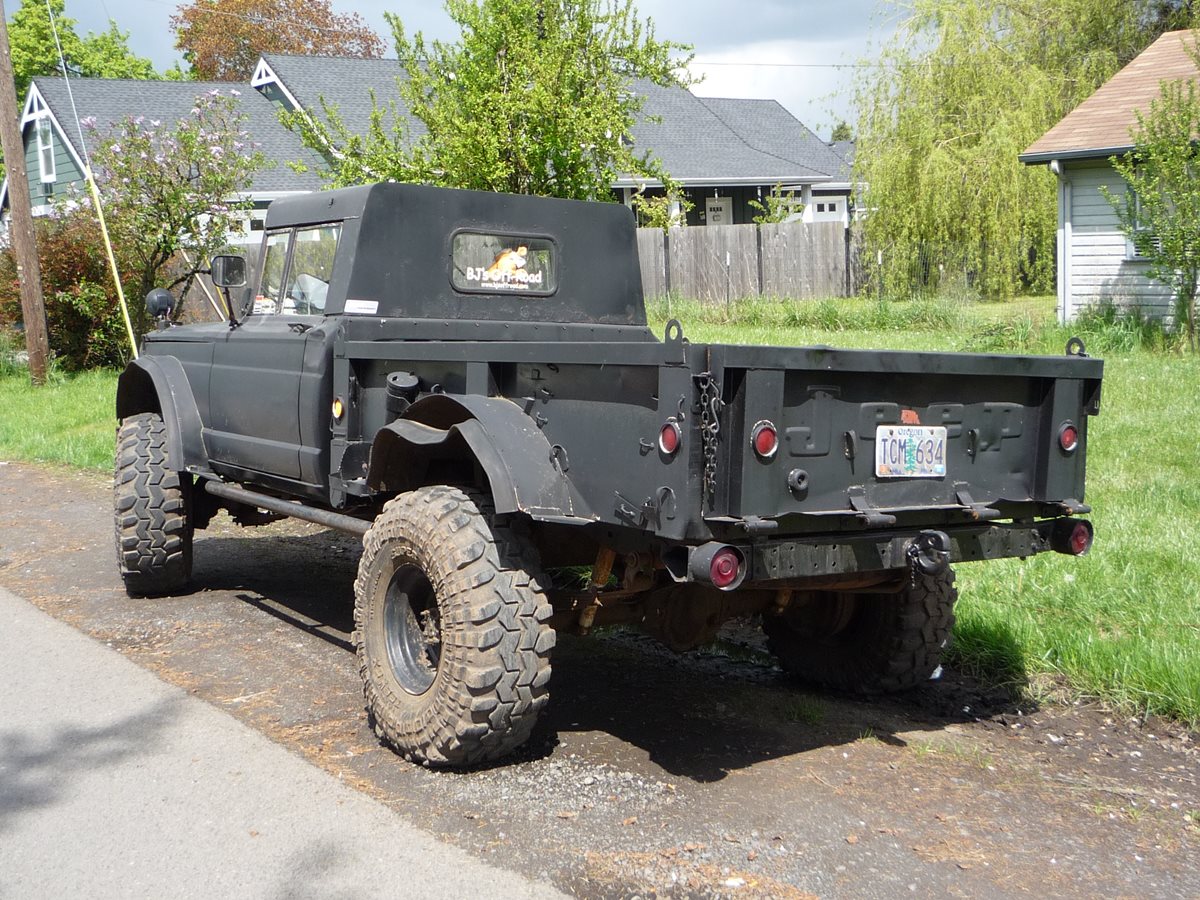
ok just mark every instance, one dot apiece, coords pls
pixel 766 126
pixel 699 141
pixel 110 100
pixel 1101 125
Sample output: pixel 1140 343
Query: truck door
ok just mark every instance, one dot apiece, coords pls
pixel 254 416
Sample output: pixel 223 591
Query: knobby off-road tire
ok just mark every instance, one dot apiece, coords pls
pixel 152 505
pixel 450 628
pixel 867 643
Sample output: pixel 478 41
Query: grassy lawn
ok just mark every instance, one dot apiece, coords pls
pixel 70 420
pixel 1122 624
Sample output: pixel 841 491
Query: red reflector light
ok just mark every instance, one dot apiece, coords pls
pixel 724 567
pixel 1081 539
pixel 1068 437
pixel 765 439
pixel 669 438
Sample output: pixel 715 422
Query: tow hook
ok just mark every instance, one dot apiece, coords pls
pixel 929 552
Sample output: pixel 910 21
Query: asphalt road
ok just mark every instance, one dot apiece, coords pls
pixel 649 775
pixel 115 784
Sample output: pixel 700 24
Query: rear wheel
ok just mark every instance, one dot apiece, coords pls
pixel 864 642
pixel 152 505
pixel 450 627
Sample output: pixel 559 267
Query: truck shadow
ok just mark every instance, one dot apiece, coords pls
pixel 620 694
pixel 701 717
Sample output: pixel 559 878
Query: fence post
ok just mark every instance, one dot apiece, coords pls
pixel 758 249
pixel 849 289
pixel 667 262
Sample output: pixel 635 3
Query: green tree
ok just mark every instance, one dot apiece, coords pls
pixel 961 90
pixel 169 187
pixel 537 97
pixel 842 132
pixel 1160 211
pixel 103 55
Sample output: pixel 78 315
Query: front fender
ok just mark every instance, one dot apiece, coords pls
pixel 521 466
pixel 159 384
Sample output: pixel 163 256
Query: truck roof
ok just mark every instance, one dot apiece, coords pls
pixel 417 251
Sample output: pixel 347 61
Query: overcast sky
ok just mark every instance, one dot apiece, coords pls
pixel 793 51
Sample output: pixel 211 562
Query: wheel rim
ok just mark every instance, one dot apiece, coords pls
pixel 412 627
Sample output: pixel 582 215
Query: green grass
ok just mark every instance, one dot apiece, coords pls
pixel 1122 624
pixel 69 420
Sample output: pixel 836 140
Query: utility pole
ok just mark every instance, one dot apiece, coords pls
pixel 20 213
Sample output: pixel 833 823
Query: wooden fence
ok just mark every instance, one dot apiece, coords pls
pixel 723 263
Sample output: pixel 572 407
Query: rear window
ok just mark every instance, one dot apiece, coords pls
pixel 503 264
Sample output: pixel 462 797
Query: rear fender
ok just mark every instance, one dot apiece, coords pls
pixel 522 469
pixel 158 384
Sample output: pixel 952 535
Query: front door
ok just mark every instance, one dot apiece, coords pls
pixel 254 416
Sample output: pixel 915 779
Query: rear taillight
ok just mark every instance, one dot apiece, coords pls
pixel 1068 437
pixel 765 440
pixel 1072 536
pixel 722 566
pixel 1081 538
pixel 669 438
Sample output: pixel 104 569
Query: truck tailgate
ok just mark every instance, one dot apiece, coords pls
pixel 868 435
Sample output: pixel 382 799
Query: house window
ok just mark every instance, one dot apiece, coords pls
pixel 820 207
pixel 1143 239
pixel 45 145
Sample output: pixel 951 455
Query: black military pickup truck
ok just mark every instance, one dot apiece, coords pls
pixel 467 381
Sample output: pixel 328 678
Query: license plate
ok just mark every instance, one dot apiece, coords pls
pixel 910 451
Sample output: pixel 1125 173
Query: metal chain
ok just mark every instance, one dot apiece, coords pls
pixel 710 430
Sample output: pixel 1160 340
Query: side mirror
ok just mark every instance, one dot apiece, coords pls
pixel 159 303
pixel 229 271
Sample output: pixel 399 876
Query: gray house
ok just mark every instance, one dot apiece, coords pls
pixel 1096 264
pixel 725 152
pixel 54 144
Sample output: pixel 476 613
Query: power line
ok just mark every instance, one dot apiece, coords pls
pixel 770 65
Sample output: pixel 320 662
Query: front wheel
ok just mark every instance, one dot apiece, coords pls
pixel 152 506
pixel 450 628
pixel 865 642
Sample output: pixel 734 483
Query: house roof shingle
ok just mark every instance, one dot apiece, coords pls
pixel 697 140
pixel 766 126
pixel 108 101
pixel 1101 125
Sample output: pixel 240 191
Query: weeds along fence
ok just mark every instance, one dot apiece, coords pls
pixel 723 263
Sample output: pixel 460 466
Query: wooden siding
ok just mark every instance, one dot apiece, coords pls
pixel 65 170
pixel 719 263
pixel 803 260
pixel 1099 269
pixel 716 262
pixel 652 257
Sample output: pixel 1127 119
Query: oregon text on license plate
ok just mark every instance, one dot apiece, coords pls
pixel 910 451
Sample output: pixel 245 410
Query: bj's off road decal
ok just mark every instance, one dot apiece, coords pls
pixel 501 263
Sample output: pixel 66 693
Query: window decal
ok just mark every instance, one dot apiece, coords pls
pixel 495 263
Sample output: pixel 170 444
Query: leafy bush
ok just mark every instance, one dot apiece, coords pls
pixel 82 314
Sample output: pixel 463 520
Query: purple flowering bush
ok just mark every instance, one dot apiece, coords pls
pixel 172 188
